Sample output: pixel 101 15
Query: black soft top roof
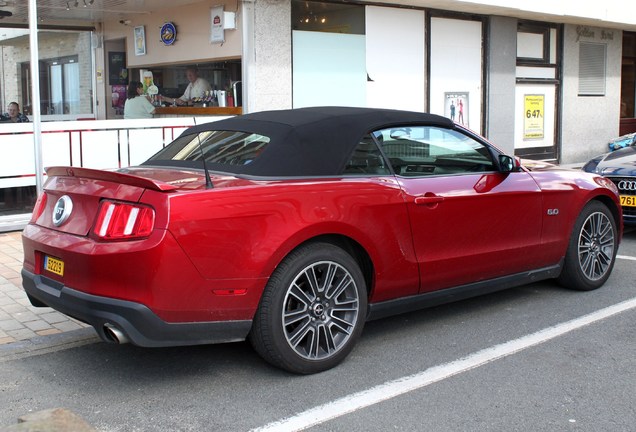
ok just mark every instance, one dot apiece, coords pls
pixel 315 141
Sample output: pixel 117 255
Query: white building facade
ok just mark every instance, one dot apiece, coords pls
pixel 549 81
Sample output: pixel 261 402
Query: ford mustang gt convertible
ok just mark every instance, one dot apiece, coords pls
pixel 292 228
pixel 620 167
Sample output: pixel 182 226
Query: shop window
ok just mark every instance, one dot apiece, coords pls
pixel 592 70
pixel 328 17
pixel 65 72
pixel 531 46
pixel 63 86
pixel 535 44
pixel 329 47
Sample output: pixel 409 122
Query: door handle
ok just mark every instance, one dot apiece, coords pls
pixel 429 199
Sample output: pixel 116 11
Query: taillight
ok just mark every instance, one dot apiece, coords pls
pixel 38 209
pixel 123 221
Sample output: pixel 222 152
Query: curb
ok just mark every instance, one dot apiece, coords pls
pixel 47 344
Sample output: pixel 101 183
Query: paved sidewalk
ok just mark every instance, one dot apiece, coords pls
pixel 19 320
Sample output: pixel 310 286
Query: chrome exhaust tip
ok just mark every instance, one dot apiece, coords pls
pixel 113 334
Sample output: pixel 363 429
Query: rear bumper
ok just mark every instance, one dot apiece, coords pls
pixel 137 322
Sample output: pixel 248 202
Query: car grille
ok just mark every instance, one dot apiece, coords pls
pixel 626 186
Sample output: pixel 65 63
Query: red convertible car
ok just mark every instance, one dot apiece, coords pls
pixel 292 228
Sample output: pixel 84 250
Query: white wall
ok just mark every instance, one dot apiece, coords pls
pixel 193 24
pixel 589 122
pixel 456 66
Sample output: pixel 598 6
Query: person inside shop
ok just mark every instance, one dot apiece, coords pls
pixel 13 114
pixel 196 88
pixel 137 104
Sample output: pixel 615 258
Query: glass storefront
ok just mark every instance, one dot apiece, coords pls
pixel 66 93
pixel 66 72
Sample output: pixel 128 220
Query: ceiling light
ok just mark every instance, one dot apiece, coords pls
pixel 85 5
pixel 76 3
pixel 68 7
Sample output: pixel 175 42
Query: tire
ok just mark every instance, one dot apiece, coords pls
pixel 312 310
pixel 592 249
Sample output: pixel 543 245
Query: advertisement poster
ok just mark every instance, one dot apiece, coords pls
pixel 217 34
pixel 140 41
pixel 117 72
pixel 118 98
pixel 533 124
pixel 456 107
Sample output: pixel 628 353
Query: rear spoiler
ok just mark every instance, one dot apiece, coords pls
pixel 113 176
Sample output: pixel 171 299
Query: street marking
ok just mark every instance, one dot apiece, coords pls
pixel 625 257
pixel 400 386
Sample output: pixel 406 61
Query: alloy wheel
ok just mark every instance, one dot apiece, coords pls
pixel 320 310
pixel 596 246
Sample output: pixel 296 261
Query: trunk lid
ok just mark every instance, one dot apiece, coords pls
pixel 86 188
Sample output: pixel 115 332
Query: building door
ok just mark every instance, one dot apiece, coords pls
pixel 628 84
pixel 537 91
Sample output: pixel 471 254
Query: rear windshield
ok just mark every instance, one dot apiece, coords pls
pixel 225 148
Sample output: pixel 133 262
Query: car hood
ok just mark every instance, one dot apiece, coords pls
pixel 617 163
pixel 533 165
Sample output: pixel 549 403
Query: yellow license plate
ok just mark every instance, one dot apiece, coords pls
pixel 628 200
pixel 54 265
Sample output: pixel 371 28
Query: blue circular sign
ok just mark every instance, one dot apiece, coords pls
pixel 168 33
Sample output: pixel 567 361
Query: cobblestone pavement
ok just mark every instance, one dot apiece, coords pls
pixel 18 319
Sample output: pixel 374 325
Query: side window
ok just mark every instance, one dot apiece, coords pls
pixel 366 159
pixel 415 151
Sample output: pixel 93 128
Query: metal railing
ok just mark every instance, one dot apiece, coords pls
pixel 101 144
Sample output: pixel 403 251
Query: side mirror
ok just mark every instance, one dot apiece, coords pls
pixel 508 163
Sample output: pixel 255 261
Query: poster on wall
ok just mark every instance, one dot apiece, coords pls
pixel 217 34
pixel 533 123
pixel 535 115
pixel 117 72
pixel 118 98
pixel 140 41
pixel 456 107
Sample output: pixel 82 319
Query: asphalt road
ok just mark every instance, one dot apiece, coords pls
pixel 535 358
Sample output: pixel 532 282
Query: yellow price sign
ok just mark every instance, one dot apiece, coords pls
pixel 533 122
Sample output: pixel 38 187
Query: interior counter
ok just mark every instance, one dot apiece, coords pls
pixel 197 111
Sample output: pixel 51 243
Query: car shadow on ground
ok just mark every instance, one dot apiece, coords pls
pixel 109 365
